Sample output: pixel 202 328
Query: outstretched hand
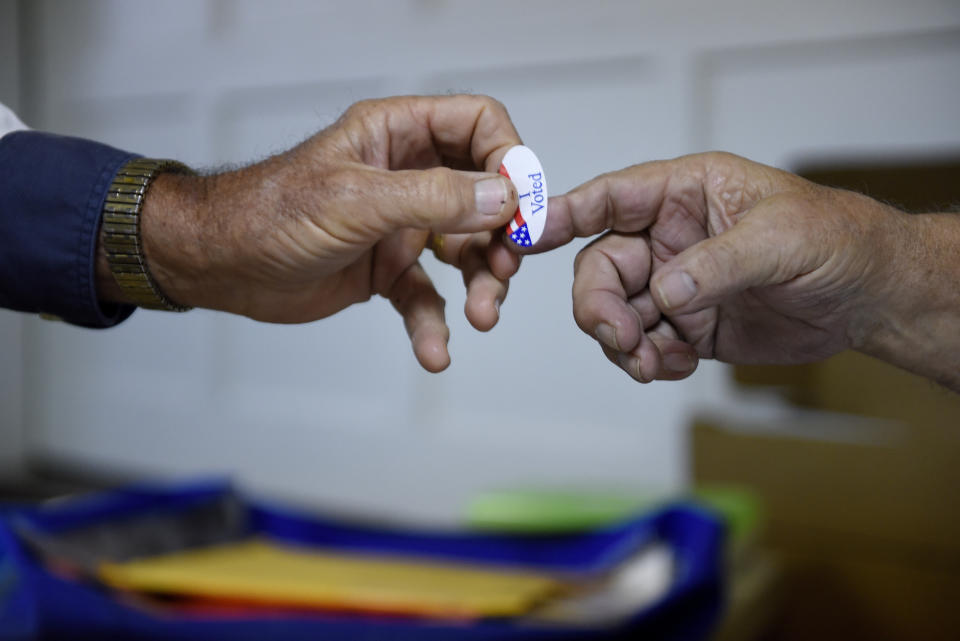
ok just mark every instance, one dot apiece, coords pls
pixel 345 215
pixel 715 256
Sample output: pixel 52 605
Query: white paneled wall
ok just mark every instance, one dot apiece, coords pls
pixel 11 324
pixel 337 413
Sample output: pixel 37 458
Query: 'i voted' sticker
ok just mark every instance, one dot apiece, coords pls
pixel 521 166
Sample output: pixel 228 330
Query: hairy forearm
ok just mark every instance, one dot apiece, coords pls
pixel 919 328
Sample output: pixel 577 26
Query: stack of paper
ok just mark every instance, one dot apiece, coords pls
pixel 259 572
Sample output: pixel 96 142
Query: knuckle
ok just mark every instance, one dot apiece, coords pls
pixel 344 181
pixel 582 316
pixel 721 258
pixel 719 164
pixel 719 161
pixel 492 104
pixel 589 261
pixel 360 107
pixel 440 194
pixel 720 157
pixel 363 110
pixel 786 213
pixel 579 258
pixel 355 190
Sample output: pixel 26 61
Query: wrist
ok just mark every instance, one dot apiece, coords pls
pixel 120 253
pixel 168 243
pixel 174 244
pixel 916 327
pixel 199 232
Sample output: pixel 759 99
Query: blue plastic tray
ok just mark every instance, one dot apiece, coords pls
pixel 35 604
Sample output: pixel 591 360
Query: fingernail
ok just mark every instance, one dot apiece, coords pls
pixel 496 306
pixel 676 289
pixel 491 194
pixel 632 365
pixel 607 335
pixel 678 363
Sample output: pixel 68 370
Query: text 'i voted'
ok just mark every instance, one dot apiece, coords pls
pixel 521 166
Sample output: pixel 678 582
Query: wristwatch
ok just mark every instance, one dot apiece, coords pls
pixel 121 231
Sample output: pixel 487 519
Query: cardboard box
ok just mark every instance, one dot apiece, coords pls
pixel 862 510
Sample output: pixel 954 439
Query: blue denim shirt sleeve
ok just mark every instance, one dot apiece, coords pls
pixel 52 190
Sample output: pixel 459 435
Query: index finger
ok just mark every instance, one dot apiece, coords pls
pixel 425 131
pixel 627 200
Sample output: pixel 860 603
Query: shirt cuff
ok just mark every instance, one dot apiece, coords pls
pixel 52 190
pixel 9 121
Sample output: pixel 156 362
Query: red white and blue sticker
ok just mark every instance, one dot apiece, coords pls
pixel 521 166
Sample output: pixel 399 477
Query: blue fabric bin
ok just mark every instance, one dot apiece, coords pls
pixel 37 604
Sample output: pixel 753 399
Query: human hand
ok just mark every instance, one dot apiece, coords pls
pixel 345 215
pixel 715 256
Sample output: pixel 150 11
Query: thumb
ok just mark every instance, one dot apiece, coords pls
pixel 755 252
pixel 449 201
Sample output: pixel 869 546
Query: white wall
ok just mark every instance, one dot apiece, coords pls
pixel 11 324
pixel 337 413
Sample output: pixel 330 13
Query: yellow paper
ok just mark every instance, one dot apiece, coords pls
pixel 265 572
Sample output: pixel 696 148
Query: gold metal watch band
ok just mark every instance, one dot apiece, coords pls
pixel 121 231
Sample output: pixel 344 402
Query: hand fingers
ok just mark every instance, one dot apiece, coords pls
pixel 659 355
pixel 641 363
pixel 486 288
pixel 698 329
pixel 678 359
pixel 645 309
pixel 466 126
pixel 765 247
pixel 416 299
pixel 399 174
pixel 423 131
pixel 503 262
pixel 685 190
pixel 607 274
pixel 485 292
pixel 612 303
pixel 627 200
pixel 444 200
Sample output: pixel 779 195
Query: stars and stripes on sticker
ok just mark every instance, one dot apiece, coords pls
pixel 521 236
pixel 517 229
pixel 523 168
